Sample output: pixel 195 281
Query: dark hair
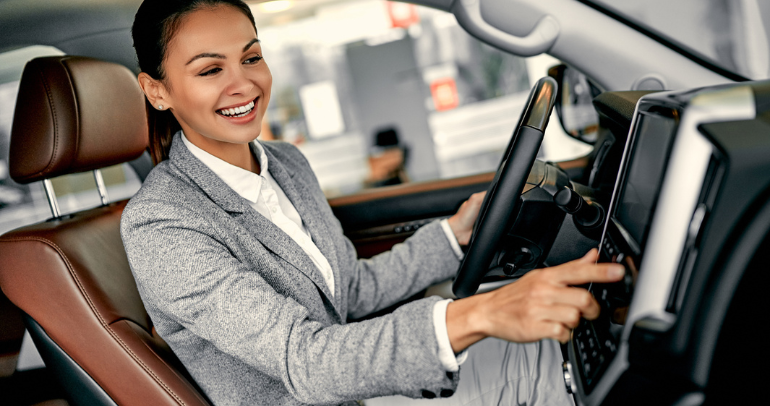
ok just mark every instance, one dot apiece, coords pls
pixel 155 25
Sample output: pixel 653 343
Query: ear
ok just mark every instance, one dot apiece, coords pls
pixel 155 91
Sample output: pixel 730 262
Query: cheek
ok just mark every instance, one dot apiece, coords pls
pixel 266 83
pixel 194 104
pixel 192 96
pixel 203 97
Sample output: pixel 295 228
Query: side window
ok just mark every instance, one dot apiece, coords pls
pixel 377 93
pixel 26 204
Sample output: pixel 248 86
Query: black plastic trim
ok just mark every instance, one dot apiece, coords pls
pixel 78 386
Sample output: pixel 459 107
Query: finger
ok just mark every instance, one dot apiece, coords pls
pixel 569 316
pixel 537 331
pixel 580 273
pixel 590 257
pixel 580 299
pixel 476 199
pixel 556 331
pixel 479 196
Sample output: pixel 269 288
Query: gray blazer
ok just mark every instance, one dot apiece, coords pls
pixel 247 312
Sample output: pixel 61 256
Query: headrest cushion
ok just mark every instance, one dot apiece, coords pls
pixel 75 114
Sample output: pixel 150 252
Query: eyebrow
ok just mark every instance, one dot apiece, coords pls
pixel 220 56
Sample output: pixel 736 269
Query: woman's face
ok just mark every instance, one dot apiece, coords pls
pixel 217 83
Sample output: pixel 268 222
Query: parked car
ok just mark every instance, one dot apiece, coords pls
pixel 665 100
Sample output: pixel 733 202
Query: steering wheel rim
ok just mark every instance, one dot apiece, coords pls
pixel 507 186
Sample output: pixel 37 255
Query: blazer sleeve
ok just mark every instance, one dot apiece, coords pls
pixel 185 271
pixel 424 259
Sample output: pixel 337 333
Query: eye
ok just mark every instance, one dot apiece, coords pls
pixel 210 72
pixel 253 60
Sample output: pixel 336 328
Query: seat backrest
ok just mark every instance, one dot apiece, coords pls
pixel 70 274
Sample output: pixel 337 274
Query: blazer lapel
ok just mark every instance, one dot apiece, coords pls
pixel 267 233
pixel 308 210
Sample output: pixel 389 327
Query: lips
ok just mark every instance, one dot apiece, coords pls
pixel 237 111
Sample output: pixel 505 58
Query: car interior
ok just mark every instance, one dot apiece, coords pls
pixel 675 187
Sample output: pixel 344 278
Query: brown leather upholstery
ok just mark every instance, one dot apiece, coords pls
pixel 54 402
pixel 73 278
pixel 71 274
pixel 75 114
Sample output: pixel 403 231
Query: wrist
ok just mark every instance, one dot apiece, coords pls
pixel 465 323
pixel 459 234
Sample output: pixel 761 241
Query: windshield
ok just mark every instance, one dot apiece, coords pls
pixel 731 34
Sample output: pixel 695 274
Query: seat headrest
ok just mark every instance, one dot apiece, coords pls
pixel 75 114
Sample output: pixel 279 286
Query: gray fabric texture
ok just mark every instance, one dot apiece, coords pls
pixel 501 373
pixel 247 312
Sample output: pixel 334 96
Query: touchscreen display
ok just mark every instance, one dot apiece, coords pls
pixel 645 172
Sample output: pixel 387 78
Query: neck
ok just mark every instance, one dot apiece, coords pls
pixel 233 153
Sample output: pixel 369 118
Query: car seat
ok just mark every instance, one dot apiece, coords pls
pixel 70 275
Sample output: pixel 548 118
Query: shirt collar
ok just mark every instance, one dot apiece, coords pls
pixel 246 183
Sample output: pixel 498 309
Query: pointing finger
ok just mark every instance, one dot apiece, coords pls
pixel 582 273
pixel 590 257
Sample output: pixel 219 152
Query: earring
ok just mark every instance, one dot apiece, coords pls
pixel 160 107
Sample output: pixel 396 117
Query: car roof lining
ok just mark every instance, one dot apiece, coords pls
pixel 41 22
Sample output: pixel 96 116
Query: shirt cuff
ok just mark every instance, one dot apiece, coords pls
pixel 449 360
pixel 450 235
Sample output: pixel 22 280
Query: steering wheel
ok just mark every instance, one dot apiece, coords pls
pixel 502 202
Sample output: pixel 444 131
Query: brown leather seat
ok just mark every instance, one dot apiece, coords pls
pixel 70 275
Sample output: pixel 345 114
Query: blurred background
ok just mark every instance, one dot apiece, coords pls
pixel 377 93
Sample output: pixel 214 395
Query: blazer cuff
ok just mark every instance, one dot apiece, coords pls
pixel 450 235
pixel 446 355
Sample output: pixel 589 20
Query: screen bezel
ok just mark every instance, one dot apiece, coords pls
pixel 638 246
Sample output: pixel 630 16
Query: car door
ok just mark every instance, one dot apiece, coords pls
pixel 375 220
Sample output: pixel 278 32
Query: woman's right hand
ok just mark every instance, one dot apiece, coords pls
pixel 544 303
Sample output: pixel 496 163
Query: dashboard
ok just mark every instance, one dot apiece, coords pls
pixel 685 194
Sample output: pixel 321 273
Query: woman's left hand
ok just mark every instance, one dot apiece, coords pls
pixel 462 222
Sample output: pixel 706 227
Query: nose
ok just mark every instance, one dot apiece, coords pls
pixel 240 83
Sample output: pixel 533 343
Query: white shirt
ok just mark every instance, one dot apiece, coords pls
pixel 265 196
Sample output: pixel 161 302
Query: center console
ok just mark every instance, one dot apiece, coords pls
pixel 672 175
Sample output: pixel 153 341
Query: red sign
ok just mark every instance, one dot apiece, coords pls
pixel 444 92
pixel 402 15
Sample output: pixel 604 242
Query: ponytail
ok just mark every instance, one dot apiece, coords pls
pixel 163 126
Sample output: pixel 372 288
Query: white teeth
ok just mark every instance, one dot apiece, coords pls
pixel 238 111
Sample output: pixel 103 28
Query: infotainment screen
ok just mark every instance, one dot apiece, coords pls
pixel 595 342
pixel 641 185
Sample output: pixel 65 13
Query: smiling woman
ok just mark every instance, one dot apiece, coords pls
pixel 247 275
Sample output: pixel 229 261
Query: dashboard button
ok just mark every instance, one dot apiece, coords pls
pixel 568 377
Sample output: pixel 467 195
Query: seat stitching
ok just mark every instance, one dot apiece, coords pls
pixel 96 313
pixel 151 349
pixel 49 96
